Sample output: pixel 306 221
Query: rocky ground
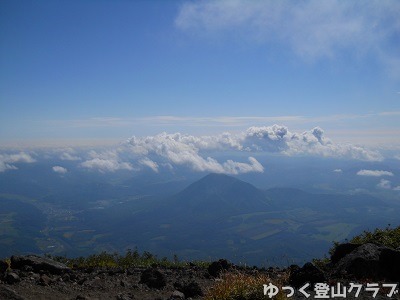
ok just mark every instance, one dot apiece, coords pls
pixel 33 277
pixel 38 278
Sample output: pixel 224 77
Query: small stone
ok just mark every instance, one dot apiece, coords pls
pixel 45 280
pixel 66 277
pixel 12 278
pixel 177 295
pixel 124 283
pixel 125 297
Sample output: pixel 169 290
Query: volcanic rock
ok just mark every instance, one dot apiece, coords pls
pixel 11 278
pixel 217 267
pixel 342 250
pixel 37 264
pixel 153 278
pixel 370 261
pixel 309 273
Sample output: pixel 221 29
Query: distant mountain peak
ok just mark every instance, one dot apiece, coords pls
pixel 219 177
pixel 222 192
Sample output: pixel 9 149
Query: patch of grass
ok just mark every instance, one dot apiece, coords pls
pixel 241 286
pixel 132 258
pixel 389 237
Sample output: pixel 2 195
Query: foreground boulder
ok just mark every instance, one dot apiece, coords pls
pixel 217 267
pixel 36 263
pixel 342 250
pixel 153 279
pixel 309 273
pixel 370 261
pixel 11 278
pixel 189 289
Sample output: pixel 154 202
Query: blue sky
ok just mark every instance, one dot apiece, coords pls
pixel 100 71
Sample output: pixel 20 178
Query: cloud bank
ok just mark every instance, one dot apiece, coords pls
pixel 198 152
pixel 8 161
pixel 166 151
pixel 185 150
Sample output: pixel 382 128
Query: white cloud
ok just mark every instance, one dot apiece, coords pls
pixel 384 184
pixel 193 151
pixel 278 138
pixel 69 156
pixel 108 161
pixel 397 188
pixel 232 167
pixel 149 163
pixel 179 149
pixel 312 29
pixel 171 150
pixel 7 161
pixel 375 173
pixel 267 138
pixel 338 171
pixel 59 169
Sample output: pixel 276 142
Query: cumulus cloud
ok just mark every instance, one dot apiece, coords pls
pixel 375 173
pixel 69 156
pixel 312 29
pixel 179 149
pixel 267 138
pixel 167 151
pixel 232 167
pixel 68 153
pixel 338 171
pixel 7 161
pixel 108 161
pixel 385 184
pixel 59 169
pixel 278 138
pixel 182 149
pixel 149 163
